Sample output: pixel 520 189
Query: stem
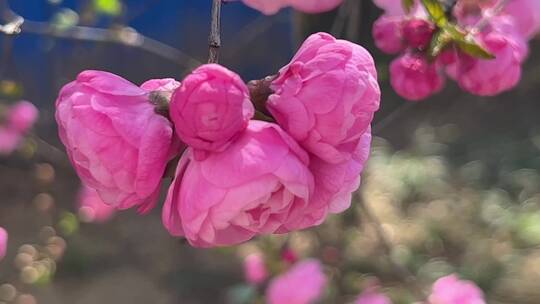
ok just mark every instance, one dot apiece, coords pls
pixel 214 39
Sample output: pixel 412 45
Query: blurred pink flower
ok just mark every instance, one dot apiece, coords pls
pixel 451 290
pixel 22 116
pixel 372 296
pixel 326 97
pixel 414 78
pixel 489 77
pixel 165 84
pixel 114 139
pixel 210 109
pixel 255 268
pixel 260 184
pixel 418 32
pixel 9 140
pixel 526 14
pixel 3 242
pixel 304 283
pixel 388 34
pixel 91 206
pixel 270 7
pixel 391 7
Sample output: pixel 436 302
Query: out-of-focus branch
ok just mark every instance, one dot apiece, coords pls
pixel 482 23
pixel 403 272
pixel 124 36
pixel 214 39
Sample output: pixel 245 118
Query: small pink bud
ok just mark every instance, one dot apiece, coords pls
pixel 372 295
pixel 3 242
pixel 289 256
pixel 211 108
pixel 22 116
pixel 255 269
pixel 9 140
pixel 418 33
pixel 414 78
pixel 388 34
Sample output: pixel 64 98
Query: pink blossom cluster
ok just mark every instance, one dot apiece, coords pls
pixel 15 122
pixel 238 177
pixel 270 7
pixel 305 283
pixel 501 29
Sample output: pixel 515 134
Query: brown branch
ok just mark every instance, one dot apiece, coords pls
pixel 214 39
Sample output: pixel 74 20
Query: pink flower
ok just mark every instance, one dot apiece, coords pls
pixel 391 7
pixel 304 283
pixel 260 184
pixel 388 32
pixel 115 141
pixel 414 78
pixel 165 84
pixel 255 269
pixel 3 242
pixel 335 183
pixel 91 206
pixel 451 290
pixel 211 108
pixel 489 77
pixel 418 33
pixel 326 97
pixel 526 14
pixel 270 7
pixel 22 116
pixel 9 140
pixel 372 296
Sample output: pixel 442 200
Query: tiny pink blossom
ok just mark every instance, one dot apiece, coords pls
pixel 304 283
pixel 255 269
pixel 414 78
pixel 372 295
pixel 489 77
pixel 260 184
pixel 418 33
pixel 114 139
pixel 91 206
pixel 22 116
pixel 388 34
pixel 3 243
pixel 9 140
pixel 165 84
pixel 326 97
pixel 211 108
pixel 451 290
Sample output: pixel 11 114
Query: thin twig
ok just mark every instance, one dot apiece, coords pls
pixel 214 39
pixel 482 23
pixel 341 18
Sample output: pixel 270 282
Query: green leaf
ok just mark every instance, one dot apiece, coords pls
pixel 441 40
pixel 474 49
pixel 436 12
pixel 108 7
pixel 407 5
